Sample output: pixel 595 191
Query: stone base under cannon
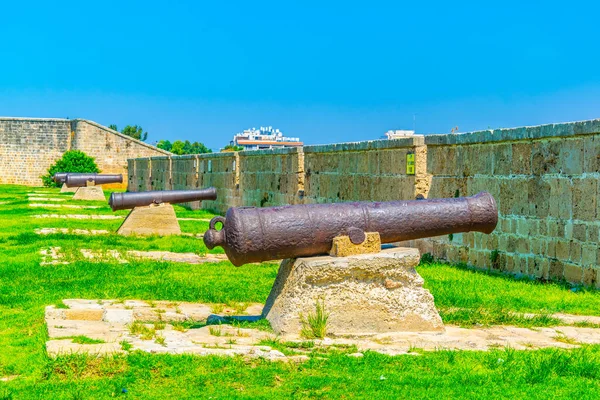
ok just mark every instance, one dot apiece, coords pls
pixel 89 193
pixel 155 219
pixel 66 189
pixel 363 294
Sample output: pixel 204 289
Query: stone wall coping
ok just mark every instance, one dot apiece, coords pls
pixel 230 154
pixel 416 140
pixel 104 128
pixel 184 157
pixel 158 158
pixel 268 152
pixel 22 119
pixel 558 130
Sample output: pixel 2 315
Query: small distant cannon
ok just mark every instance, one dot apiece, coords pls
pixel 83 180
pixel 87 186
pixel 152 212
pixel 250 234
pixel 59 178
pixel 124 201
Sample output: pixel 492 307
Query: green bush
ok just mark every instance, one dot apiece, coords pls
pixel 71 161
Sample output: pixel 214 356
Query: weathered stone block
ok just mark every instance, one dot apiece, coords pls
pixel 84 314
pixel 363 294
pixel 585 198
pixel 94 193
pixel 66 189
pixel 521 158
pixel 562 249
pixel 573 273
pixel 157 219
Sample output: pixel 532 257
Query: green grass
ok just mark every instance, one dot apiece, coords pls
pixel 314 325
pixel 463 296
pixel 81 339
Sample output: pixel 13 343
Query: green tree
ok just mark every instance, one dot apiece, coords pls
pixel 135 132
pixel 178 147
pixel 113 127
pixel 231 147
pixel 200 148
pixel 165 145
pixel 71 161
pixel 187 147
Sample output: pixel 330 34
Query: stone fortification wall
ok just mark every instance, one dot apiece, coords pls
pixel 369 171
pixel 271 177
pixel 28 146
pixel 544 178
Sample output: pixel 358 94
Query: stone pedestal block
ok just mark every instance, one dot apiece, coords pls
pixel 89 193
pixel 156 219
pixel 66 189
pixel 363 294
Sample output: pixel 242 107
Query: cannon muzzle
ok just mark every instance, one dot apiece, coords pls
pixel 123 201
pixel 82 180
pixel 59 177
pixel 251 234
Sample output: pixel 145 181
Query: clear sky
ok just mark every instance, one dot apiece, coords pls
pixel 325 71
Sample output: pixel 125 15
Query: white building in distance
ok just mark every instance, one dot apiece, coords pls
pixel 264 138
pixel 398 133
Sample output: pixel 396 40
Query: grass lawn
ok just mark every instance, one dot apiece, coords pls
pixel 464 297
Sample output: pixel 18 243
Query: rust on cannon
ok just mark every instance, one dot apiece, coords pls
pixel 123 201
pixel 250 234
pixel 85 179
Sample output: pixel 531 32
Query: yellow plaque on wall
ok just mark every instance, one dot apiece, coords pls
pixel 410 164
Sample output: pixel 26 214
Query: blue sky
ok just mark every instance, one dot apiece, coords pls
pixel 325 71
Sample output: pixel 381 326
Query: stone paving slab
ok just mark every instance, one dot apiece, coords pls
pixel 189 258
pixel 49 231
pixel 112 322
pixel 77 216
pixel 60 206
pixel 55 255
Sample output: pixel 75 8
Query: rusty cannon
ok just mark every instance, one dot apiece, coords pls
pixel 124 201
pixel 85 179
pixel 251 234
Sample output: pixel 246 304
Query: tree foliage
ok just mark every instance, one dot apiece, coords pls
pixel 231 147
pixel 71 161
pixel 179 147
pixel 165 145
pixel 134 131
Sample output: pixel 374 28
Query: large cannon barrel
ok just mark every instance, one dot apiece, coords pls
pixel 251 234
pixel 122 201
pixel 81 180
pixel 59 177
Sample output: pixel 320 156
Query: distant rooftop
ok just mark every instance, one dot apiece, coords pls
pixel 264 138
pixel 398 133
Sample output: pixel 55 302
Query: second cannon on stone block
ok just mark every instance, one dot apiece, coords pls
pixel 88 185
pixel 152 212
